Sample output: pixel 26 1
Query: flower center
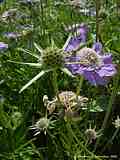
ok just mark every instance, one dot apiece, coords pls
pixel 89 57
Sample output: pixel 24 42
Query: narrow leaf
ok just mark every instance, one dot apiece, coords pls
pixel 38 48
pixel 32 80
pixel 30 64
pixel 67 42
pixel 26 51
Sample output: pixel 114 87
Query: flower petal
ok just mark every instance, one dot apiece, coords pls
pixel 97 47
pixel 107 59
pixel 94 78
pixel 108 70
pixel 73 44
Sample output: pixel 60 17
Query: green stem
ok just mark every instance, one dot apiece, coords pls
pixel 97 19
pixel 81 79
pixel 55 85
pixel 113 137
pixel 68 125
pixel 113 94
pixel 110 104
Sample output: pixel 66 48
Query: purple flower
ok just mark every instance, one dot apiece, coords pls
pixel 97 47
pixel 95 68
pixel 12 35
pixel 73 42
pixel 3 46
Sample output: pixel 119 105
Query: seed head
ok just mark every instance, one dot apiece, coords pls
pixel 117 122
pixel 53 58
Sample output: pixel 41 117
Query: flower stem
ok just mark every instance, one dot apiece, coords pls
pixel 55 85
pixel 97 19
pixel 110 104
pixel 81 79
pixel 113 137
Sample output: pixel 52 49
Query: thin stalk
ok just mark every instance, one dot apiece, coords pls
pixel 109 109
pixel 80 144
pixel 113 137
pixel 55 85
pixel 97 19
pixel 113 94
pixel 81 79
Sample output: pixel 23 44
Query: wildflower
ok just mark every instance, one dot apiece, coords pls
pixel 73 42
pixel 42 125
pixel 9 15
pixel 117 122
pixel 70 99
pixel 93 66
pixel 12 35
pixel 45 100
pixel 3 46
pixel 50 105
pixel 51 59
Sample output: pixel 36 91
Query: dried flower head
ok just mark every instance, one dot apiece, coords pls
pixel 45 100
pixel 70 99
pixel 50 105
pixel 117 122
pixel 91 134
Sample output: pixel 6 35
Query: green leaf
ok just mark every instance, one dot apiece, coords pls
pixel 66 43
pixel 26 51
pixel 33 80
pixel 30 64
pixel 65 70
pixel 38 48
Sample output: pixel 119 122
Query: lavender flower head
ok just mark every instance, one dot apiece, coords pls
pixel 12 35
pixel 73 42
pixel 93 66
pixel 3 46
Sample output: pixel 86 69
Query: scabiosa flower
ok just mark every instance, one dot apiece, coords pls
pixel 73 42
pixel 12 35
pixel 96 68
pixel 3 46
